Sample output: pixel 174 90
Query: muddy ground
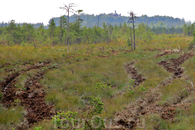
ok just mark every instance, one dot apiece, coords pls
pixel 129 119
pixel 138 79
pixel 32 97
pixel 172 65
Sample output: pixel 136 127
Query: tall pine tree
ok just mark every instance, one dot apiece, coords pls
pixel 52 27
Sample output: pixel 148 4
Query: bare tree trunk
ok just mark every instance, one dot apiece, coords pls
pixel 131 39
pixel 67 8
pixel 134 33
pixel 131 20
pixel 68 34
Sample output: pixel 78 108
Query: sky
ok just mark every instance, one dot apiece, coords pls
pixel 34 11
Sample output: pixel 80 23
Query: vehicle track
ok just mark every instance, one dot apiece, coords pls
pixel 33 99
pixel 8 85
pixel 148 104
pixel 172 65
pixel 138 79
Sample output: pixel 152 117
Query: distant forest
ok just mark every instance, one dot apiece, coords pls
pixel 158 24
pixel 92 20
pixel 36 25
pixel 116 19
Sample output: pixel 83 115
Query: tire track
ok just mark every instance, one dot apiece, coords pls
pixel 172 65
pixel 33 99
pixel 130 118
pixel 8 85
pixel 138 79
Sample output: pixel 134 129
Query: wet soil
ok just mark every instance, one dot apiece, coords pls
pixel 32 96
pixel 129 119
pixel 8 85
pixel 138 79
pixel 33 99
pixel 172 65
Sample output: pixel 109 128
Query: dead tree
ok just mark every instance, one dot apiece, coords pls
pixel 131 38
pixel 132 18
pixel 69 9
pixel 79 20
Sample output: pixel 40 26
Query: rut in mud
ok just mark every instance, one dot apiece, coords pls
pixel 8 85
pixel 133 72
pixel 33 98
pixel 129 119
pixel 8 89
pixel 148 104
pixel 173 65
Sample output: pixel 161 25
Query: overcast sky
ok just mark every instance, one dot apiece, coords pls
pixel 33 11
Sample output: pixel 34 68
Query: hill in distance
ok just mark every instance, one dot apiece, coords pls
pixel 116 19
pixel 91 20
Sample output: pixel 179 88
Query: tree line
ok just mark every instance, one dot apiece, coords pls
pixel 16 34
pixel 65 31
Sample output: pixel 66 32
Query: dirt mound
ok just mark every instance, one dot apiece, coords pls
pixel 173 64
pixel 130 118
pixel 178 61
pixel 8 85
pixel 168 113
pixel 142 106
pixel 149 103
pixel 133 72
pixel 33 98
pixel 8 89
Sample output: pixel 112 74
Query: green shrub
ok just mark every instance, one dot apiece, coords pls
pixel 105 88
pixel 142 88
pixel 70 119
pixel 38 128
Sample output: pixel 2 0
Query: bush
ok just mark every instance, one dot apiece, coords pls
pixel 38 128
pixel 142 88
pixel 70 119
